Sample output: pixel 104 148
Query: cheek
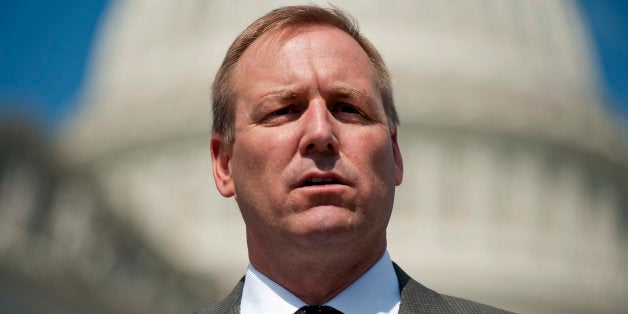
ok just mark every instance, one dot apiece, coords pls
pixel 373 154
pixel 261 155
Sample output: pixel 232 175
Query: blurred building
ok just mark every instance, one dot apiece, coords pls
pixel 516 184
pixel 63 251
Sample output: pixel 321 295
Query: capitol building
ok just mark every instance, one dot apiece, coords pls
pixel 515 187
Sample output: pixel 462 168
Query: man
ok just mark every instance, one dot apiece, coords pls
pixel 305 138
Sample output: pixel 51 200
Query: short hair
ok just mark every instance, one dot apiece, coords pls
pixel 223 89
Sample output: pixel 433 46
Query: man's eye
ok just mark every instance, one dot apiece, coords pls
pixel 346 108
pixel 284 111
pixel 282 114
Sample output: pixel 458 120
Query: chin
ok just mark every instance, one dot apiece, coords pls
pixel 326 223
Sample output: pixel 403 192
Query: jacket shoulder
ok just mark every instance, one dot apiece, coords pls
pixel 417 298
pixel 459 305
pixel 230 304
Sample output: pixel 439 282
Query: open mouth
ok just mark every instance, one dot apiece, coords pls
pixel 320 181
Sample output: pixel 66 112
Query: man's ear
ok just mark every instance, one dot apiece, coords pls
pixel 221 165
pixel 397 158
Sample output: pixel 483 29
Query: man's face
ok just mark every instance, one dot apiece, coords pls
pixel 313 160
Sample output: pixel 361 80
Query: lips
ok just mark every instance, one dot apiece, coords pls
pixel 321 179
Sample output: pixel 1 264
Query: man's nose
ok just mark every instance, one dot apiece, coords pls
pixel 318 130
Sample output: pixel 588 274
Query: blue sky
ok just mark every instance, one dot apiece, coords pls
pixel 44 49
pixel 608 21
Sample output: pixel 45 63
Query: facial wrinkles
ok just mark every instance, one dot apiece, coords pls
pixel 317 69
pixel 307 59
pixel 314 71
pixel 303 59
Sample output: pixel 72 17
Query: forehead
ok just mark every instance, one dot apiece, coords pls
pixel 282 38
pixel 286 54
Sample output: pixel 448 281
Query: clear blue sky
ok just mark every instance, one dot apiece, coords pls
pixel 44 47
pixel 43 52
pixel 608 20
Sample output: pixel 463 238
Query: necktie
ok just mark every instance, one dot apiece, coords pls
pixel 317 309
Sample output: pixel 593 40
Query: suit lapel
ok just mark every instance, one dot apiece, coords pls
pixel 230 304
pixel 416 298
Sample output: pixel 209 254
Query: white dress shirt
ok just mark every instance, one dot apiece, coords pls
pixel 376 291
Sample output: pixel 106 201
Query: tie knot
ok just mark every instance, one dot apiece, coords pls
pixel 316 309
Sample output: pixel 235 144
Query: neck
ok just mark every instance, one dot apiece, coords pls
pixel 316 275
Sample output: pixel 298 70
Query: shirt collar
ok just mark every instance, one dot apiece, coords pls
pixel 376 291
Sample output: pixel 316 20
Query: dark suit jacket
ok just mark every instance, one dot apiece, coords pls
pixel 415 298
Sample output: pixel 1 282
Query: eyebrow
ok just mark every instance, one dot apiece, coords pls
pixel 281 94
pixel 336 92
pixel 267 100
pixel 353 93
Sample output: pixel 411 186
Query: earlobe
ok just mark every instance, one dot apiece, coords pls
pixel 221 165
pixel 397 158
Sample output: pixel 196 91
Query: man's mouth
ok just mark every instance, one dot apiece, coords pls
pixel 320 181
